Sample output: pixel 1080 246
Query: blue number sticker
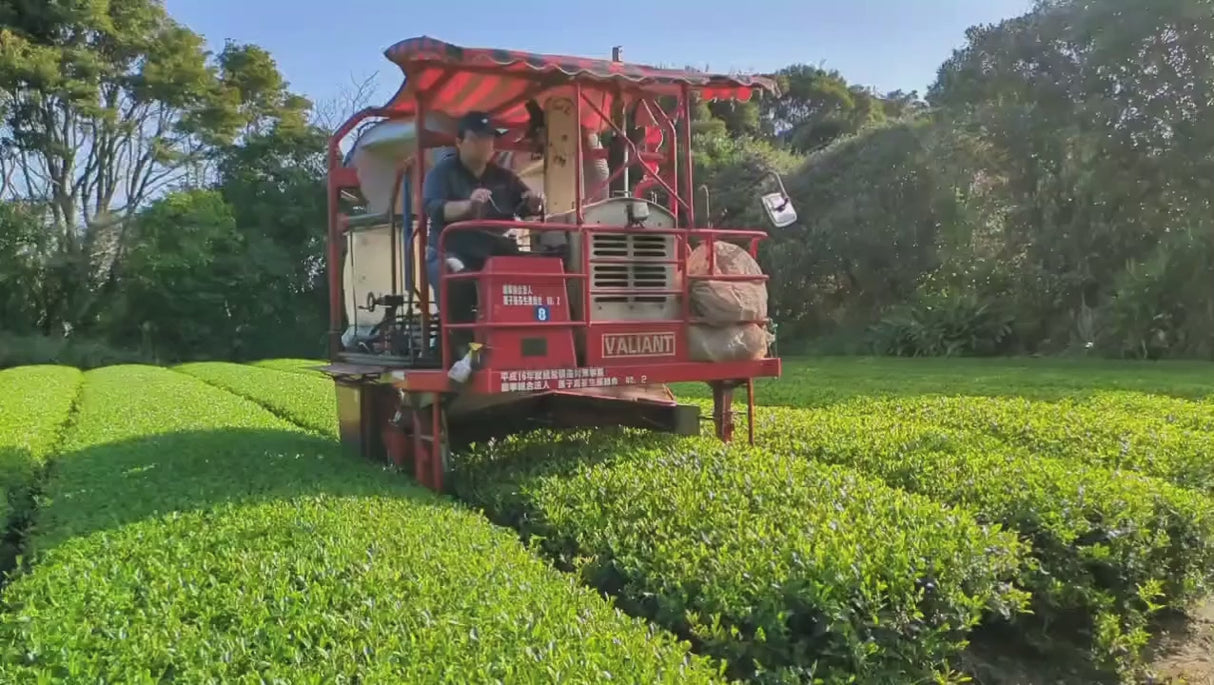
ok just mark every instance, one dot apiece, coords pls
pixel 541 313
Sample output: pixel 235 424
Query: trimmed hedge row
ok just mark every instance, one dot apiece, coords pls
pixel 825 381
pixel 192 536
pixel 301 366
pixel 1182 413
pixel 35 403
pixel 304 399
pixel 1076 432
pixel 1107 544
pixel 784 568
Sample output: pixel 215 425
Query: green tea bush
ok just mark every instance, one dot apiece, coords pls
pixel 307 401
pixel 190 536
pixel 786 569
pixel 1182 413
pixel 306 367
pixel 35 402
pixel 1076 432
pixel 1109 545
pixel 827 381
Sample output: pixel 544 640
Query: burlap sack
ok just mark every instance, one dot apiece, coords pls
pixel 745 342
pixel 725 303
pixel 722 304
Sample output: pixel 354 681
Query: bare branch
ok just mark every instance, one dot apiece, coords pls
pixel 352 97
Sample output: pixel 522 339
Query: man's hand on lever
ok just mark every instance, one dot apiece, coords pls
pixel 480 196
pixel 477 202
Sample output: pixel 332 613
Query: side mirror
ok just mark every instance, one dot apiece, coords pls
pixel 780 211
pixel 778 205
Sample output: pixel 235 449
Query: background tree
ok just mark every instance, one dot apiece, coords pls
pixel 106 106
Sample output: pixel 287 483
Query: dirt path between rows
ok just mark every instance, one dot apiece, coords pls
pixel 1185 654
pixel 1181 654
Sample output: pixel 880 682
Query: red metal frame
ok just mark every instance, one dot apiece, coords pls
pixel 451 80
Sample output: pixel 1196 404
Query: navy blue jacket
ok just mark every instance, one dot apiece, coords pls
pixel 449 180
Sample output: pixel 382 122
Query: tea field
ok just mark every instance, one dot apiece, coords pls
pixel 899 521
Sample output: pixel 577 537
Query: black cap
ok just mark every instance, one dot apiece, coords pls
pixel 478 123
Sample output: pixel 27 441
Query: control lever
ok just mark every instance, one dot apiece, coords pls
pixel 390 301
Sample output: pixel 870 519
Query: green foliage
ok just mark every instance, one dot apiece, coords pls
pixel 733 169
pixel 1162 305
pixel 705 539
pixel 274 183
pixel 186 285
pixel 23 249
pixel 786 569
pixel 1081 434
pixel 35 402
pixel 74 351
pixel 304 366
pixel 941 325
pixel 1101 538
pixel 827 381
pixel 880 211
pixel 306 401
pixel 221 544
pixel 1101 146
pixel 1062 177
pixel 816 107
pixel 108 105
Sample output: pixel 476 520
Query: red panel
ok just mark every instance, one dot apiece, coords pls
pixel 497 379
pixel 516 291
pixel 635 342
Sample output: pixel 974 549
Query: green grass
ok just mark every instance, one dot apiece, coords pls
pixel 190 536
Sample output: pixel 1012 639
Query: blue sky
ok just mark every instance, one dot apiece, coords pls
pixel 321 45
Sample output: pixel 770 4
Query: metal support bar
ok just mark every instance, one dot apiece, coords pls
pixel 631 145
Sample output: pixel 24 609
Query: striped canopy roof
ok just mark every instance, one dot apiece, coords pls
pixel 455 79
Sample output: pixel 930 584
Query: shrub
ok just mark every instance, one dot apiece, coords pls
pixel 191 536
pixel 784 568
pixel 307 401
pixel 304 366
pixel 35 402
pixel 940 325
pixel 1182 413
pixel 81 353
pixel 1077 433
pixel 1107 544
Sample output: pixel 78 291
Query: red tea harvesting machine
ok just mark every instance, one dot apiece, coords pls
pixel 616 292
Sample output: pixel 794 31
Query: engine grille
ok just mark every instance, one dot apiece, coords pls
pixel 638 248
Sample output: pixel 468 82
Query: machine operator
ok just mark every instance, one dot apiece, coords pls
pixel 469 185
